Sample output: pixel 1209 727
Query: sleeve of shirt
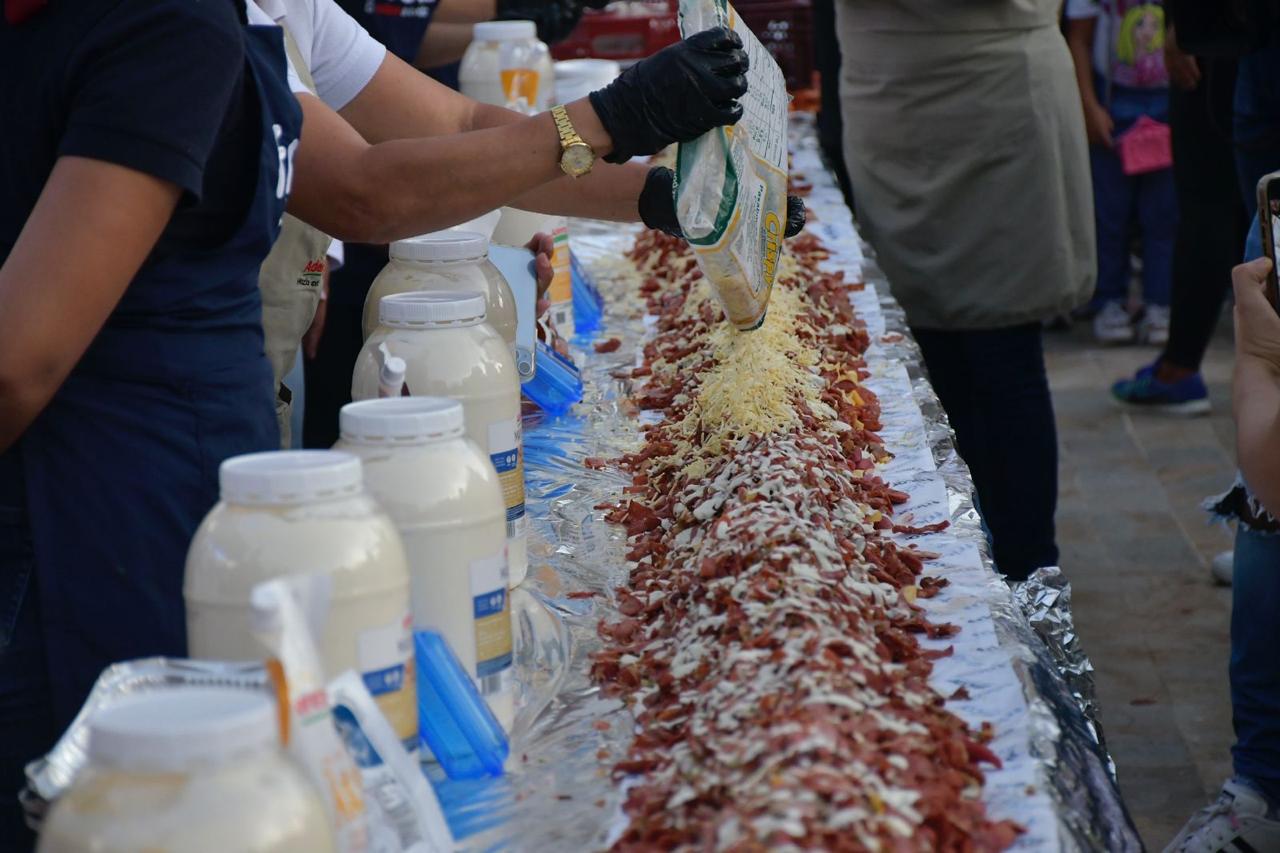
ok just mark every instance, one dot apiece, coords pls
pixel 152 86
pixel 259 18
pixel 336 254
pixel 344 57
pixel 1078 9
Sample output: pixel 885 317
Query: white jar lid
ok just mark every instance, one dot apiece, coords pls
pixel 505 30
pixel 432 307
pixel 442 246
pixel 172 729
pixel 402 420
pixel 289 477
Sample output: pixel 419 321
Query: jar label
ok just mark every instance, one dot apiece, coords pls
pixel 507 453
pixel 387 667
pixel 492 613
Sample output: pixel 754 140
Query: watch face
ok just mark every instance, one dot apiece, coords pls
pixel 577 159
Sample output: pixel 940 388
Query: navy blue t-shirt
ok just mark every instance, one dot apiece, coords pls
pixel 119 81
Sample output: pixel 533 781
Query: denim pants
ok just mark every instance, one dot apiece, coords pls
pixel 1255 659
pixel 993 386
pixel 1119 200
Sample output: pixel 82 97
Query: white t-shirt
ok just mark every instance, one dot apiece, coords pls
pixel 340 53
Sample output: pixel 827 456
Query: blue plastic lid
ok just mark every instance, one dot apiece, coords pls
pixel 556 384
pixel 453 719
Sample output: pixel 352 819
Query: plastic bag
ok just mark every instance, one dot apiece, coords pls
pixel 731 183
pixel 404 814
pixel 287 613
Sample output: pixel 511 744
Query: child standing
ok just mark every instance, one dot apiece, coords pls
pixel 1118 48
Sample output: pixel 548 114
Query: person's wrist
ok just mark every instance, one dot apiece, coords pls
pixel 588 125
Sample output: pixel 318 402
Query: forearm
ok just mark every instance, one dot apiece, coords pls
pixel 463 12
pixel 609 192
pixel 1256 396
pixel 1079 40
pixel 444 43
pixel 378 193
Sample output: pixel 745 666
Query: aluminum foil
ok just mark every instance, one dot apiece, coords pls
pixel 558 794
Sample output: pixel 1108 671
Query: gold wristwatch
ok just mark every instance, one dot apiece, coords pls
pixel 576 156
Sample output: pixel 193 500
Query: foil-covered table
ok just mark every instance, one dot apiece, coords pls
pixel 1056 779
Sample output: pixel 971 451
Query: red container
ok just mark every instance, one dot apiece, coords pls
pixel 785 28
pixel 624 31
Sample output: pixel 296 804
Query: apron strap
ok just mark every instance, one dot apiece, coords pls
pixel 299 64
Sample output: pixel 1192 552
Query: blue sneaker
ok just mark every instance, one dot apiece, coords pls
pixel 1145 393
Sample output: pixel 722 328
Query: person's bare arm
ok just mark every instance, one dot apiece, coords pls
pixel 401 102
pixel 1256 389
pixel 463 12
pixel 1097 120
pixel 377 193
pixel 444 42
pixel 92 228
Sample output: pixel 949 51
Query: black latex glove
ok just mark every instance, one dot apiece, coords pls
pixel 676 95
pixel 658 205
pixel 555 19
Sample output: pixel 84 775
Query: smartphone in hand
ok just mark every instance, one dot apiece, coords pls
pixel 1269 222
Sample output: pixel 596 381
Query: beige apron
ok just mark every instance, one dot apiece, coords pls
pixel 967 154
pixel 290 282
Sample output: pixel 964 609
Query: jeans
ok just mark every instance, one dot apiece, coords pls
pixel 1211 220
pixel 1256 123
pixel 1255 672
pixel 1119 199
pixel 993 386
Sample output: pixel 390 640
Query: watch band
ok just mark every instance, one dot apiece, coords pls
pixel 568 134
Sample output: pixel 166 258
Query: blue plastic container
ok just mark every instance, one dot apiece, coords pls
pixel 556 384
pixel 453 719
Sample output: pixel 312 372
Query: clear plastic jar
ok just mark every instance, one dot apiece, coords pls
pixel 289 512
pixel 188 770
pixel 445 497
pixel 450 351
pixel 506 65
pixel 445 260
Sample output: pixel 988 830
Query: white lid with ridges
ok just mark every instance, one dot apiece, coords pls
pixel 505 30
pixel 177 728
pixel 442 246
pixel 402 420
pixel 432 307
pixel 290 477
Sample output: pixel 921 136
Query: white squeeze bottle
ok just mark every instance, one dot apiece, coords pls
pixel 450 351
pixel 445 260
pixel 445 497
pixel 515 228
pixel 188 770
pixel 297 512
pixel 505 65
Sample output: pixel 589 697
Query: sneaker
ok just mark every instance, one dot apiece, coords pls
pixel 1113 325
pixel 1146 393
pixel 1237 821
pixel 1222 567
pixel 1154 328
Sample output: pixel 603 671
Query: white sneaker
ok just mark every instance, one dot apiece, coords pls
pixel 1154 328
pixel 1113 325
pixel 1222 567
pixel 1236 822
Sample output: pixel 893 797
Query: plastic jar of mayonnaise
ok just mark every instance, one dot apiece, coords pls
pixel 187 770
pixel 444 495
pixel 446 260
pixel 450 351
pixel 506 65
pixel 306 511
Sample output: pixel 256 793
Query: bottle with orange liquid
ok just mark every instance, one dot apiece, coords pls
pixel 506 65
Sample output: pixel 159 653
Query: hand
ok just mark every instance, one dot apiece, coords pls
pixel 658 205
pixel 1098 124
pixel 1183 68
pixel 676 95
pixel 555 19
pixel 543 247
pixel 311 340
pixel 1257 323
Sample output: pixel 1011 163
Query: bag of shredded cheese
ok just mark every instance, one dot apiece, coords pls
pixel 731 183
